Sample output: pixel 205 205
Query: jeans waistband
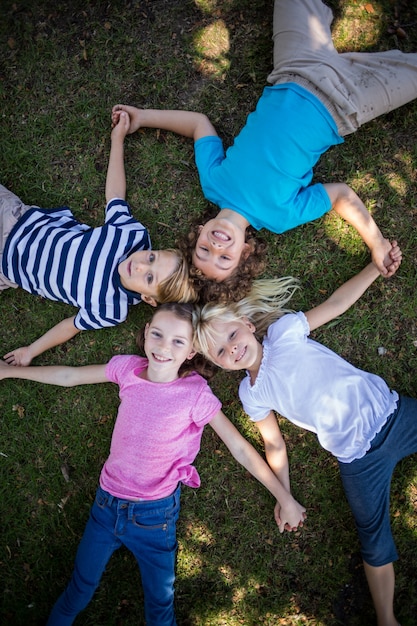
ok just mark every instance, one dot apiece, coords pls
pixel 160 501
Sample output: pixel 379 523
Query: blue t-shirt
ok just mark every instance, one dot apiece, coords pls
pixel 49 253
pixel 266 174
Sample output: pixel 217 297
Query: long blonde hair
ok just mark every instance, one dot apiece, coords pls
pixel 264 304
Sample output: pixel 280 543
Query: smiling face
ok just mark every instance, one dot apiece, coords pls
pixel 168 343
pixel 235 346
pixel 219 248
pixel 145 270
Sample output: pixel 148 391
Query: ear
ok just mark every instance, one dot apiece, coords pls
pixel 191 355
pixel 146 330
pixel 200 228
pixel 249 324
pixel 149 300
pixel 246 250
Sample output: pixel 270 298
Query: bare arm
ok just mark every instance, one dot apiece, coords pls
pixel 187 123
pixel 57 374
pixel 275 449
pixel 116 175
pixel 346 295
pixel 62 332
pixel 292 513
pixel 351 208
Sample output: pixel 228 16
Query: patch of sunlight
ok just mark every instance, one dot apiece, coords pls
pixel 397 183
pixel 212 45
pixel 198 533
pixel 342 234
pixel 227 573
pixel 189 563
pixel 211 7
pixel 359 26
pixel 364 181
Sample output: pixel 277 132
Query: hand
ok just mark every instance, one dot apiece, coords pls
pixel 395 257
pixel 290 518
pixel 19 357
pixel 386 256
pixel 121 125
pixel 134 116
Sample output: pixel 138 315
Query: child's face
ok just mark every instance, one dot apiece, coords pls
pixel 235 346
pixel 219 248
pixel 168 343
pixel 144 270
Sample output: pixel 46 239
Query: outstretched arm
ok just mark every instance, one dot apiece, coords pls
pixel 62 332
pixel 276 456
pixel 116 175
pixel 187 123
pixel 292 514
pixel 346 295
pixel 351 208
pixel 57 374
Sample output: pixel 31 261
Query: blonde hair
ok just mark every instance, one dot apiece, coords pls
pixel 264 304
pixel 178 287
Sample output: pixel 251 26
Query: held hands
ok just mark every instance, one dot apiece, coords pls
pixel 387 257
pixel 133 113
pixel 19 357
pixel 121 125
pixel 290 517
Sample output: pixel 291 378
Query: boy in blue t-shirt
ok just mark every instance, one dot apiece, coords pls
pixel 264 179
pixel 100 270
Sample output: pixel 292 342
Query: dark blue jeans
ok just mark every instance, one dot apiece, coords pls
pixel 367 482
pixel 148 529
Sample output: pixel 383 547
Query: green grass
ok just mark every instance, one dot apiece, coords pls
pixel 62 66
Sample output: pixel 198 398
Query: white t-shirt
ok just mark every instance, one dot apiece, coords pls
pixel 318 390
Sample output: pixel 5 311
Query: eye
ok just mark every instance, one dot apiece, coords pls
pixel 204 248
pixel 232 335
pixel 156 334
pixel 179 342
pixel 149 278
pixel 225 258
pixel 151 257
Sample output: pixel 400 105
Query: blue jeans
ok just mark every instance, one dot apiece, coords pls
pixel 367 482
pixel 148 529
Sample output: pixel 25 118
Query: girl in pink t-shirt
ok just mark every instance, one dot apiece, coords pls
pixel 164 406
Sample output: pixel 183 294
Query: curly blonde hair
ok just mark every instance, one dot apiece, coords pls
pixel 264 304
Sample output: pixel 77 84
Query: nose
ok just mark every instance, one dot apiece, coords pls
pixel 138 267
pixel 216 245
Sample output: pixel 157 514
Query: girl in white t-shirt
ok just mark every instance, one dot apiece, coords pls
pixel 164 406
pixel 355 415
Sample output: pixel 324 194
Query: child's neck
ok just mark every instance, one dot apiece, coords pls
pixel 235 217
pixel 253 370
pixel 158 377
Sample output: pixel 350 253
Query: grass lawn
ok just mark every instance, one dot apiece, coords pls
pixel 63 64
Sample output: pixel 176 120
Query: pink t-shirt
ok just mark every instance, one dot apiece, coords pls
pixel 157 433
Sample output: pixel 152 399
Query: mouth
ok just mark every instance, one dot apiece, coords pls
pixel 241 354
pixel 219 235
pixel 160 359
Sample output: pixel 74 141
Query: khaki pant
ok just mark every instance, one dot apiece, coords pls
pixel 355 86
pixel 11 210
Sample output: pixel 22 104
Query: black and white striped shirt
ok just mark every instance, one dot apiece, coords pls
pixel 51 254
